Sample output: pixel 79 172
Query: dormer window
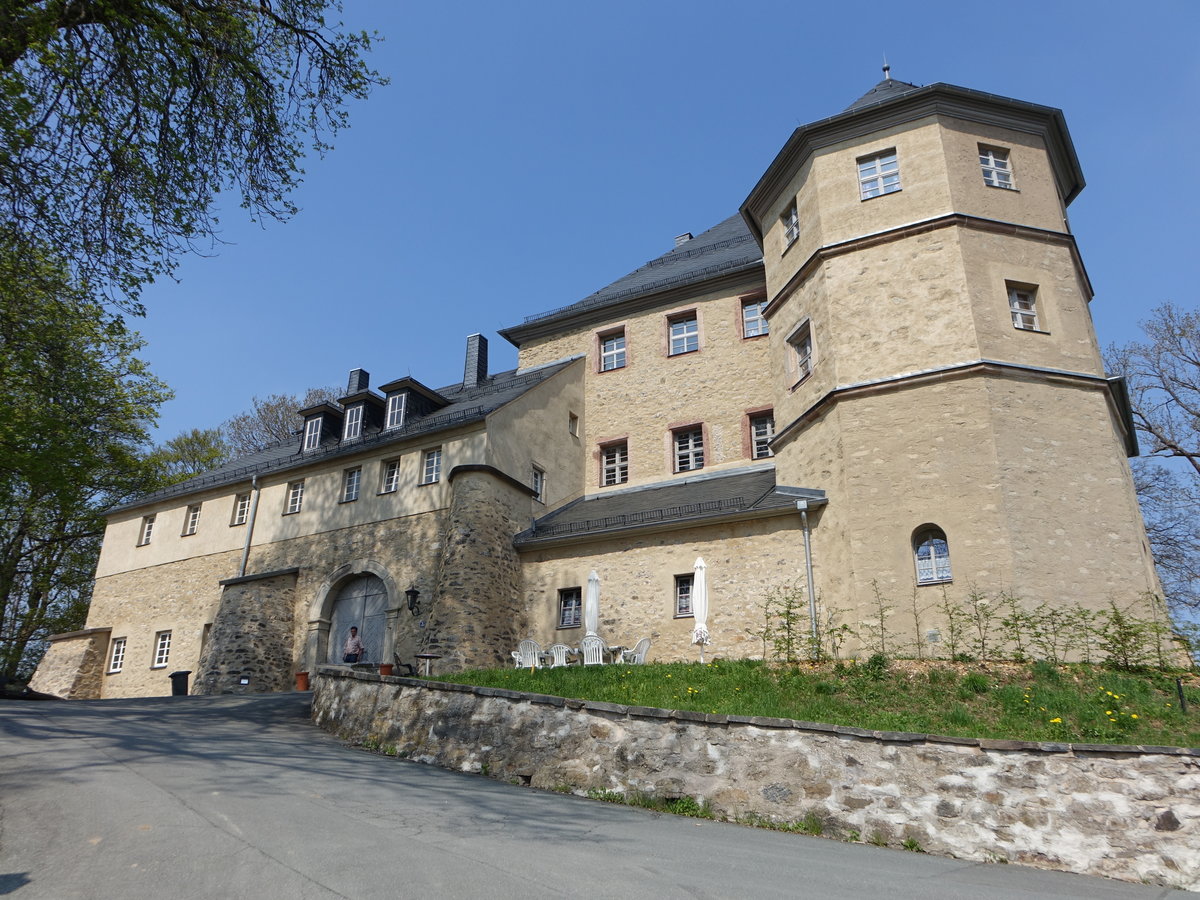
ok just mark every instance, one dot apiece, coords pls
pixel 312 433
pixel 354 421
pixel 397 404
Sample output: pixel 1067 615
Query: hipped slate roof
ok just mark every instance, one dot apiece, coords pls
pixel 701 499
pixel 725 248
pixel 466 405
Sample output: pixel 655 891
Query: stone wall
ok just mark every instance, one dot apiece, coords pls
pixel 73 667
pixel 250 648
pixel 1122 812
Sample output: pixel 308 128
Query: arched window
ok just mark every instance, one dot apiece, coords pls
pixel 361 602
pixel 932 555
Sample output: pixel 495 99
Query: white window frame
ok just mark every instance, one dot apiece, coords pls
pixel 351 484
pixel 762 429
pixel 397 408
pixel 352 427
pixel 878 174
pixel 389 483
pixel 431 465
pixel 241 509
pixel 997 167
pixel 295 498
pixel 791 224
pixel 147 531
pixel 801 342
pixel 689 448
pixel 614 463
pixel 191 520
pixel 683 596
pixel 1022 306
pixel 754 324
pixel 684 334
pixel 936 568
pixel 612 351
pixel 570 607
pixel 162 650
pixel 312 433
pixel 116 655
pixel 537 481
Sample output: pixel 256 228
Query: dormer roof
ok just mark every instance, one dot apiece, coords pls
pixel 411 384
pixel 321 409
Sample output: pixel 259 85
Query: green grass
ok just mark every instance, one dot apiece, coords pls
pixel 1039 702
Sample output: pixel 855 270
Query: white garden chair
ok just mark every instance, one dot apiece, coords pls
pixel 528 654
pixel 592 648
pixel 636 656
pixel 558 653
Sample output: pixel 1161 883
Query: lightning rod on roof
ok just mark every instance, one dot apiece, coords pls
pixel 887 70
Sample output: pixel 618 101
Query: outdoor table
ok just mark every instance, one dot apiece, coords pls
pixel 428 657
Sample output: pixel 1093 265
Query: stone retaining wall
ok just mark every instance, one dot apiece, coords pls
pixel 1123 812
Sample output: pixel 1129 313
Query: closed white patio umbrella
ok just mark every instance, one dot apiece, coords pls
pixel 591 604
pixel 700 605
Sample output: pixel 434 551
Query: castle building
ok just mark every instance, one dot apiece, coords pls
pixel 880 377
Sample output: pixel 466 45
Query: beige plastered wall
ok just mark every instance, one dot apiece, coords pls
pixel 745 561
pixel 654 393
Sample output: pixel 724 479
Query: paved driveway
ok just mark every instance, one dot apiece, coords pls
pixel 231 797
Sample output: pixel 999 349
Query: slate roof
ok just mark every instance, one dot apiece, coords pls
pixel 887 89
pixel 466 405
pixel 726 247
pixel 698 499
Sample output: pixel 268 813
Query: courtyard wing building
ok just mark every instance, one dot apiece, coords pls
pixel 880 374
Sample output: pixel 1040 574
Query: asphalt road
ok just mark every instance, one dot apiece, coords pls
pixel 224 797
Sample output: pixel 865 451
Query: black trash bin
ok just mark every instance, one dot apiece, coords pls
pixel 179 683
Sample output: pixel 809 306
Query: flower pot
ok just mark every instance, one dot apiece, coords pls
pixel 302 681
pixel 385 669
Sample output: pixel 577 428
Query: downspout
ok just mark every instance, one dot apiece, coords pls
pixel 250 525
pixel 802 506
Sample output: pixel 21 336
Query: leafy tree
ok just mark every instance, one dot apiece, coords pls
pixel 190 453
pixel 121 121
pixel 271 419
pixel 1163 375
pixel 78 403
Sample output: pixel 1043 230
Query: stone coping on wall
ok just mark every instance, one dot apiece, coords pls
pixel 683 715
pixel 258 576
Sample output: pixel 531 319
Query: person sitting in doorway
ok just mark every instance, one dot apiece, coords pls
pixel 353 650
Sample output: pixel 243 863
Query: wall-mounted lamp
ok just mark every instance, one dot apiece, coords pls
pixel 413 596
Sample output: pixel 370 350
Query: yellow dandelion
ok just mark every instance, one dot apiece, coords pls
pixel 1108 712
pixel 1055 721
pixel 1042 708
pixel 1133 715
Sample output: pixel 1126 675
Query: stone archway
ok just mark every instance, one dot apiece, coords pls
pixel 369 585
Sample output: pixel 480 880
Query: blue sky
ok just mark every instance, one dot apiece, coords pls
pixel 525 154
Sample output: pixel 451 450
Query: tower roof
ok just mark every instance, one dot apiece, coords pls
pixel 885 90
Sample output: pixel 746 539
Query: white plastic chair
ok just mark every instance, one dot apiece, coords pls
pixel 559 652
pixel 592 648
pixel 528 654
pixel 636 656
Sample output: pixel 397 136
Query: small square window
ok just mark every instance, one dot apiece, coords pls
pixel 570 607
pixel 762 429
pixel 791 224
pixel 615 464
pixel 573 424
pixel 191 520
pixel 878 174
pixel 683 595
pixel 312 433
pixel 241 509
pixel 997 172
pixel 689 449
pixel 391 476
pixel 685 334
pixel 753 322
pixel 352 428
pixel 612 351
pixel 431 465
pixel 295 498
pixel 801 343
pixel 162 649
pixel 538 482
pixel 147 530
pixel 116 657
pixel 1022 305
pixel 396 406
pixel 351 483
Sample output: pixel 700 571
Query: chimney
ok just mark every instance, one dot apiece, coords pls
pixel 681 239
pixel 360 380
pixel 475 372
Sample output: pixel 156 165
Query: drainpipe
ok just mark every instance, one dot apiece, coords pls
pixel 802 506
pixel 250 525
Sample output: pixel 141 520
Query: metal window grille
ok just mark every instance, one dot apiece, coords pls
pixel 933 558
